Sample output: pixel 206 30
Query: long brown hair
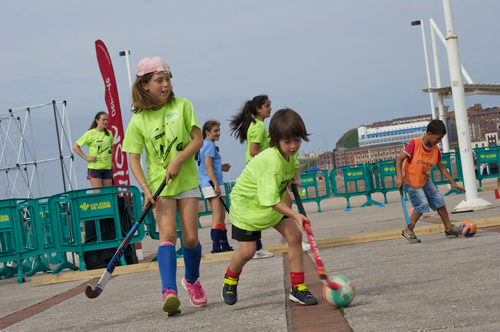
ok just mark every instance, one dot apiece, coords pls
pixel 241 121
pixel 143 99
pixel 94 123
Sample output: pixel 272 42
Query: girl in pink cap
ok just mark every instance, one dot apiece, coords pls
pixel 170 132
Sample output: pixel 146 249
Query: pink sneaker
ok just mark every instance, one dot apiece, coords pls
pixel 171 302
pixel 196 293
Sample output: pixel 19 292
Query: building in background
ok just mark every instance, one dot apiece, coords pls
pixel 370 154
pixel 483 126
pixel 385 140
pixel 400 130
pixel 326 161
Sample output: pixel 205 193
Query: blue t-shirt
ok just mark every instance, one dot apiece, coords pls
pixel 209 150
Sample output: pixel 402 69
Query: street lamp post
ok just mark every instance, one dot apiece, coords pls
pixel 126 54
pixel 429 82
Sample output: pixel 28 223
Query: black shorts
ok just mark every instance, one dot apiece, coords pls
pixel 242 235
pixel 104 174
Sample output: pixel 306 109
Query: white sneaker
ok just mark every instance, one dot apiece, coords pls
pixel 262 253
pixel 306 246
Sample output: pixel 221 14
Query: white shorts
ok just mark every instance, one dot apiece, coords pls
pixel 195 192
pixel 208 192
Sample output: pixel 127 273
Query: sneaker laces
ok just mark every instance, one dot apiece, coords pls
pixel 198 289
pixel 303 289
pixel 231 284
pixel 195 288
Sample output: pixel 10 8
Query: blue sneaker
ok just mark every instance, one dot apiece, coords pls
pixel 229 293
pixel 301 294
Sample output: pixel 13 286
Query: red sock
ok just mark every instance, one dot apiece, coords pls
pixel 231 274
pixel 218 226
pixel 297 278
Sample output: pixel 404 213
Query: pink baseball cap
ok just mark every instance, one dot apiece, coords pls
pixel 152 64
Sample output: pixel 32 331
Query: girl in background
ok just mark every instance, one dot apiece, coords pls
pixel 248 125
pixel 170 132
pixel 99 159
pixel 210 168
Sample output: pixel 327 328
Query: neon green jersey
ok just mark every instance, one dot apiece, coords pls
pixel 261 185
pixel 257 133
pixel 165 134
pixel 100 146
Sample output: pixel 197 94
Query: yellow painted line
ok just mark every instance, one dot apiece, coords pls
pixel 277 249
pixel 488 188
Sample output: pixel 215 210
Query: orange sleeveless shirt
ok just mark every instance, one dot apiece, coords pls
pixel 421 162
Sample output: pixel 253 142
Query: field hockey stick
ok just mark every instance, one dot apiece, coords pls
pixel 405 210
pixel 93 292
pixel 222 201
pixel 404 206
pixel 314 246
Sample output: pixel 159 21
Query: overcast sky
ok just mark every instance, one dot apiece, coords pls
pixel 339 64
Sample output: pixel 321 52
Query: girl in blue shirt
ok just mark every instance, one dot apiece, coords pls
pixel 210 168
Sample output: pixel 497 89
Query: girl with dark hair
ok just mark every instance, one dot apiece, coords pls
pixel 167 127
pixel 248 125
pixel 210 168
pixel 100 155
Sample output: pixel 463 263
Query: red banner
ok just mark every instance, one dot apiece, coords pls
pixel 115 125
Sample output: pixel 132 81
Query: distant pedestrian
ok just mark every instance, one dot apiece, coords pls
pixel 100 154
pixel 257 204
pixel 483 167
pixel 210 168
pixel 167 127
pixel 419 157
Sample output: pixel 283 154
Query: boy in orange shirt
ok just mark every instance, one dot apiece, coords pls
pixel 419 157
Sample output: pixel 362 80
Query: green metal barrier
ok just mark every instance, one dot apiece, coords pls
pixel 40 263
pixel 350 175
pixel 155 235
pixel 458 163
pixel 488 156
pixel 50 255
pixel 21 235
pixel 449 159
pixel 206 211
pixel 310 180
pixel 229 187
pixel 380 172
pixel 72 212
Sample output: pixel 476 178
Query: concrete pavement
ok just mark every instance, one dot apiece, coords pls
pixel 439 284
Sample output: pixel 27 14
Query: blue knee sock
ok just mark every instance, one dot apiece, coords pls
pixel 223 240
pixel 216 239
pixel 192 258
pixel 259 244
pixel 167 264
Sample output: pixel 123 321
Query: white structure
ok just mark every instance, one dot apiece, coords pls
pixel 458 91
pixel 20 167
pixel 396 133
